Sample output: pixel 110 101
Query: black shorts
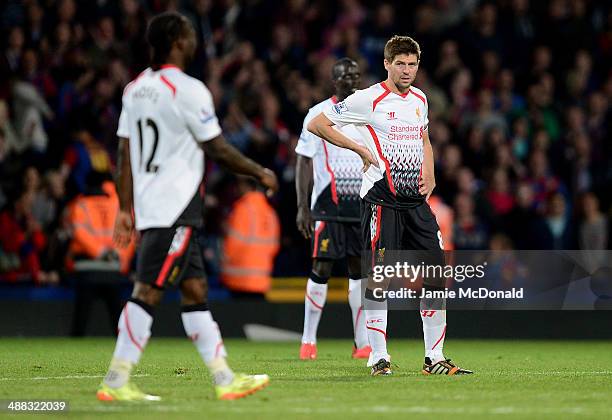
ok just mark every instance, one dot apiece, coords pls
pixel 169 255
pixel 388 229
pixel 336 240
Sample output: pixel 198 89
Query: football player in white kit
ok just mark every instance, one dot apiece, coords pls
pixel 330 177
pixel 167 126
pixel 391 118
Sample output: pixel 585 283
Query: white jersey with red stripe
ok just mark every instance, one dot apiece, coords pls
pixel 391 126
pixel 166 115
pixel 336 171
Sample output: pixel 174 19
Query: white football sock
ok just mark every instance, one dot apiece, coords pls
pixel 376 325
pixel 434 330
pixel 354 298
pixel 314 301
pixel 134 331
pixel 204 332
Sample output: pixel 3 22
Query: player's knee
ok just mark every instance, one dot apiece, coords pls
pixel 147 294
pixel 194 292
pixel 322 270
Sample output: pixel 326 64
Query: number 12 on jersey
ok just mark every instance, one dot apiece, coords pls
pixel 150 167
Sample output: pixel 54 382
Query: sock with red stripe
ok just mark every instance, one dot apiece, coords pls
pixel 134 330
pixel 314 301
pixel 433 316
pixel 354 298
pixel 204 332
pixel 376 326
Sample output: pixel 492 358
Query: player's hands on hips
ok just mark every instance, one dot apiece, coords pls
pixel 304 222
pixel 268 179
pixel 124 228
pixel 366 157
pixel 427 183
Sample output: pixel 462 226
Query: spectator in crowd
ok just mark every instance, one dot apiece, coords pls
pixel 593 225
pixel 559 229
pixel 468 231
pixel 521 224
pixel 22 242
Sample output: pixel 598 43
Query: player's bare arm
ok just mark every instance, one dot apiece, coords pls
pixel 322 126
pixel 427 183
pixel 303 187
pixel 227 155
pixel 124 225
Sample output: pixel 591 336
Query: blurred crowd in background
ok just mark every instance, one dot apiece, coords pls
pixel 519 106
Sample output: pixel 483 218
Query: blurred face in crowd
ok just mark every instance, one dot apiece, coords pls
pixel 556 206
pixel 402 70
pixel 31 180
pixel 464 205
pixel 524 196
pixel 347 79
pixel 590 204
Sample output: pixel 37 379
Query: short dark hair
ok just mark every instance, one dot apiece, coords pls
pixel 338 67
pixel 399 44
pixel 163 30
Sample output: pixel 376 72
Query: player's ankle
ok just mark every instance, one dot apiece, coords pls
pixel 118 373
pixel 220 371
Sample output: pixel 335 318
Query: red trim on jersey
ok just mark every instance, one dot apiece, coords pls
pixel 316 239
pixel 379 330
pixel 334 99
pixel 129 85
pixel 403 95
pixel 374 240
pixel 381 97
pixel 169 84
pixel 129 329
pixel 161 278
pixel 334 192
pixel 380 154
pixel 319 307
pixel 169 66
pixel 418 96
pixel 440 339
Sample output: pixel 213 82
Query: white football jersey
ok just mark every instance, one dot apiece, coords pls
pixel 166 114
pixel 391 126
pixel 337 171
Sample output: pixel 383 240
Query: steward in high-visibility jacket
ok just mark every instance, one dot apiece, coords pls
pixel 251 243
pixel 445 218
pixel 91 220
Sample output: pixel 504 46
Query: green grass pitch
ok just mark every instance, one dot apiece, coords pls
pixel 513 379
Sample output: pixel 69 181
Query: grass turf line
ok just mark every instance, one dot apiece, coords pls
pixel 513 379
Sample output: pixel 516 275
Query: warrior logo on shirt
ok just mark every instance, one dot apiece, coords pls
pixel 340 107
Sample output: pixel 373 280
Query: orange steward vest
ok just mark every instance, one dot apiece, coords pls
pixel 92 219
pixel 250 245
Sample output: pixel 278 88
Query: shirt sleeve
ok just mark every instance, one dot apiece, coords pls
pixel 199 113
pixel 123 130
pixel 356 109
pixel 307 143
